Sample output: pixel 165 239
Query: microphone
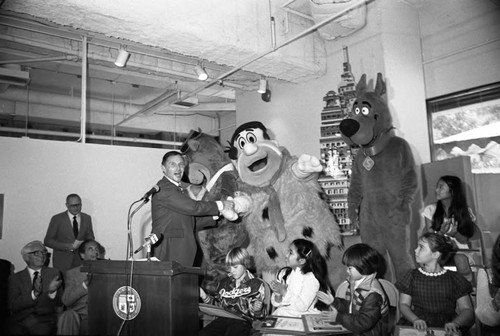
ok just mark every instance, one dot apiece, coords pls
pixel 153 191
pixel 152 239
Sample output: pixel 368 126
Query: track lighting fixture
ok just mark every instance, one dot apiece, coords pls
pixel 122 58
pixel 262 86
pixel 201 73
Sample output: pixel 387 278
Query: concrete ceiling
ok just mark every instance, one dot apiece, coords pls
pixel 237 42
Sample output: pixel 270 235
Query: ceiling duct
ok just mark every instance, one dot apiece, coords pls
pixel 12 76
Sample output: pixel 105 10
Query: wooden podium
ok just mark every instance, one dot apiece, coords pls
pixel 161 298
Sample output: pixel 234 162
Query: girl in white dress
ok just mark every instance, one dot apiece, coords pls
pixel 296 286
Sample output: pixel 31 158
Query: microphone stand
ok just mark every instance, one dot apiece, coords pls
pixel 129 226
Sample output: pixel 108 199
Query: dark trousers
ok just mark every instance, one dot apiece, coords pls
pixel 222 326
pixel 33 325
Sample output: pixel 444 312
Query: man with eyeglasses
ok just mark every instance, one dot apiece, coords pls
pixel 34 294
pixel 66 232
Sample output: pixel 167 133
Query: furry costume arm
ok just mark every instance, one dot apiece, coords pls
pixel 409 177
pixel 355 194
pixel 306 166
pixel 402 212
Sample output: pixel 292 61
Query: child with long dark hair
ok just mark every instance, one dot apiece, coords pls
pixel 365 309
pixel 296 286
pixel 452 217
pixel 430 296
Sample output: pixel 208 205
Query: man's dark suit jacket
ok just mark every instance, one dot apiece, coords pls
pixel 21 303
pixel 60 238
pixel 173 216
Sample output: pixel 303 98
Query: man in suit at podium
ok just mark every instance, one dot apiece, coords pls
pixel 66 232
pixel 173 214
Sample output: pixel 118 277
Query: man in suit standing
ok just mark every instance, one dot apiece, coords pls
pixel 34 294
pixel 173 214
pixel 74 320
pixel 66 232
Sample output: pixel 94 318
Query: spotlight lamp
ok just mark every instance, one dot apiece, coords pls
pixel 201 73
pixel 122 58
pixel 262 86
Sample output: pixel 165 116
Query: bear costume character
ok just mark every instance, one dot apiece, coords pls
pixel 212 177
pixel 286 202
pixel 383 180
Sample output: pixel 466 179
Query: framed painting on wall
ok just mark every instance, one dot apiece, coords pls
pixel 467 123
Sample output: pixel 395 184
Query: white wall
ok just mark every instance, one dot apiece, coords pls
pixel 37 175
pixel 466 54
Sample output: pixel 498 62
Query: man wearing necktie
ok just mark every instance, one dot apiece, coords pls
pixel 34 294
pixel 173 214
pixel 66 232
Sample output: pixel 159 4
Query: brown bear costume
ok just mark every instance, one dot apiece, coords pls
pixel 213 176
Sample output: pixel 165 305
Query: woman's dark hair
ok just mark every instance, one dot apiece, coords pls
pixel 364 258
pixel 439 243
pixel 315 263
pixel 458 208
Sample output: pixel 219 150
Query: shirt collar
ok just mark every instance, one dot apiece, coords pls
pixel 172 181
pixel 365 282
pixel 247 277
pixel 71 216
pixel 32 271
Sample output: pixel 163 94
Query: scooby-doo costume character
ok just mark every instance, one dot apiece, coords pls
pixel 285 195
pixel 383 181
pixel 213 178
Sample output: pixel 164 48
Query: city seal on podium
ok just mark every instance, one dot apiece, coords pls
pixel 126 303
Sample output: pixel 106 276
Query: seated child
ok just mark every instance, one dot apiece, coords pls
pixel 451 217
pixel 241 293
pixel 431 295
pixel 365 311
pixel 294 291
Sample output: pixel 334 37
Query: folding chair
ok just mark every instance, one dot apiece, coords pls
pixel 393 296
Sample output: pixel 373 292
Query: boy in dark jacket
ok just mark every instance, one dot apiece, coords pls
pixel 365 309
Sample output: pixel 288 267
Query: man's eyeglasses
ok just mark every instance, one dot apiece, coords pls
pixel 75 205
pixel 39 253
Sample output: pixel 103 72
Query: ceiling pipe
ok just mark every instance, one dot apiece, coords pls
pixel 83 116
pixel 93 136
pixel 256 58
pixel 42 59
pixel 72 102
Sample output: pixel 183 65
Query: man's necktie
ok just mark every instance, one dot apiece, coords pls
pixel 37 283
pixel 75 227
